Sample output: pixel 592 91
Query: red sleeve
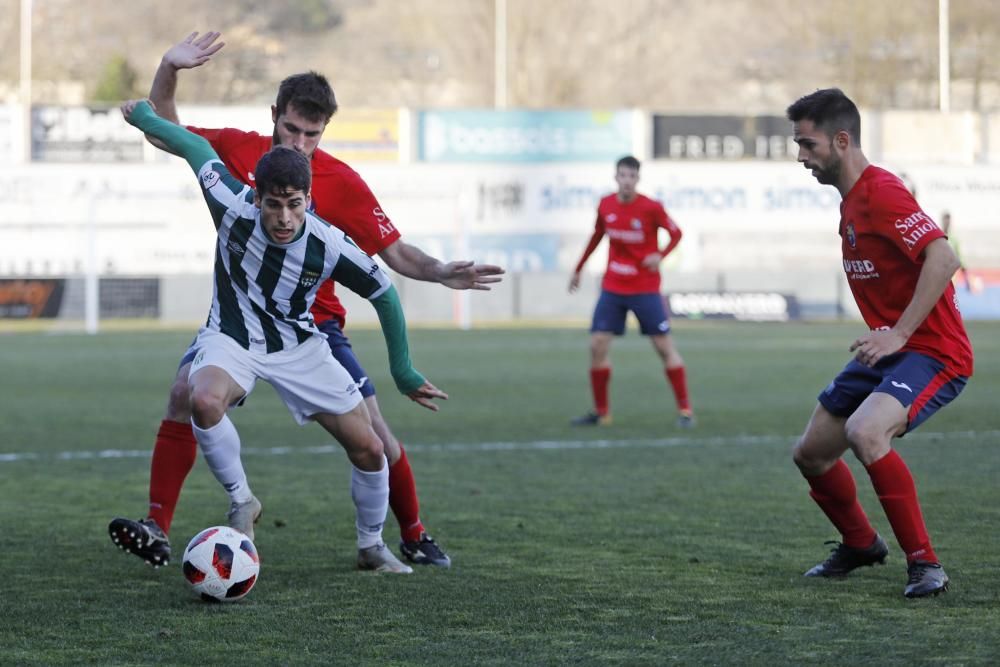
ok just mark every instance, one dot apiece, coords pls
pixel 666 222
pixel 897 216
pixel 222 140
pixel 344 200
pixel 595 239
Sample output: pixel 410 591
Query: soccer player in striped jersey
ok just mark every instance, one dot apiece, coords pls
pixel 304 106
pixel 632 223
pixel 915 359
pixel 271 257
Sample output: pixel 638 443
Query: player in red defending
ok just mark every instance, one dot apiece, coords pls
pixel 915 360
pixel 304 106
pixel 632 282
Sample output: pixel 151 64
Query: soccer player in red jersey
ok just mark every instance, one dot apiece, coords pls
pixel 303 108
pixel 916 359
pixel 632 282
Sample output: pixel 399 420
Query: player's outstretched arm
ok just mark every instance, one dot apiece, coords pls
pixel 193 51
pixel 407 379
pixel 178 140
pixel 412 262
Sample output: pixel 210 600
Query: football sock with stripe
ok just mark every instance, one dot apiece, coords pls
pixel 370 492
pixel 898 494
pixel 403 498
pixel 174 454
pixel 837 495
pixel 600 378
pixel 221 446
pixel 678 381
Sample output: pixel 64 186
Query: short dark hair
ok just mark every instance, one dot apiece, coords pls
pixel 627 161
pixel 311 95
pixel 282 170
pixel 831 111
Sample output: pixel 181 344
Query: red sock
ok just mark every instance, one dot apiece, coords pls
pixel 836 494
pixel 678 380
pixel 403 498
pixel 898 494
pixel 600 378
pixel 174 455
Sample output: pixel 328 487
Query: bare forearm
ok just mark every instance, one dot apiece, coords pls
pixel 163 90
pixel 939 267
pixel 412 262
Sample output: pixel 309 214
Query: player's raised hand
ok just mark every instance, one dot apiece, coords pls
pixel 469 275
pixel 129 106
pixel 425 395
pixel 574 282
pixel 193 51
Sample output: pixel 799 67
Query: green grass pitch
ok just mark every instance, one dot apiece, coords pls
pixel 633 544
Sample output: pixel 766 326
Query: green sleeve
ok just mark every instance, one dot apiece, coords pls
pixel 390 316
pixel 193 148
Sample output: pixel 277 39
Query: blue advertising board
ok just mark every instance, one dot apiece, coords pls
pixel 524 136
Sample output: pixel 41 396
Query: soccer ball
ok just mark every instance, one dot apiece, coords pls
pixel 221 563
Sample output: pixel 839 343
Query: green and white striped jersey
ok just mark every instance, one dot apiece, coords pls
pixel 263 290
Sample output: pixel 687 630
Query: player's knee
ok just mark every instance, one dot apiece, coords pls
pixel 808 457
pixel 207 407
pixel 369 455
pixel 179 402
pixel 867 441
pixel 801 456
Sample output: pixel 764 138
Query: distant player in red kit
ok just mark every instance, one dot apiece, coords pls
pixel 915 360
pixel 632 282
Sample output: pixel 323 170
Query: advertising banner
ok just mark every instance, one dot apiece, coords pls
pixel 30 298
pixel 363 135
pixel 745 306
pixel 723 138
pixel 79 134
pixel 524 136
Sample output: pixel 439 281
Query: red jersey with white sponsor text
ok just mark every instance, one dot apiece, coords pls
pixel 883 233
pixel 339 196
pixel 632 229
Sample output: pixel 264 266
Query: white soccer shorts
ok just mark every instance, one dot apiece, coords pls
pixel 307 377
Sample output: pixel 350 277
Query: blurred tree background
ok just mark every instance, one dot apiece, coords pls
pixel 663 55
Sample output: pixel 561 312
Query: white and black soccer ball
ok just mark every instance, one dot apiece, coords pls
pixel 221 563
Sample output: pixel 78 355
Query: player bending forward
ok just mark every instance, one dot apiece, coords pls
pixel 271 257
pixel 915 360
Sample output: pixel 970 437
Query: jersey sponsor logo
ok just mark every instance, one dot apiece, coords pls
pixel 308 279
pixel 209 179
pixel 852 237
pixel 860 269
pixel 258 341
pixel 914 227
pixel 623 269
pixel 626 235
pixel 372 271
pixel 385 227
pixel 901 385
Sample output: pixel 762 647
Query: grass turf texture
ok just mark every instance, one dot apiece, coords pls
pixel 631 544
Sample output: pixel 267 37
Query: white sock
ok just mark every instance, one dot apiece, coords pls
pixel 370 493
pixel 221 446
